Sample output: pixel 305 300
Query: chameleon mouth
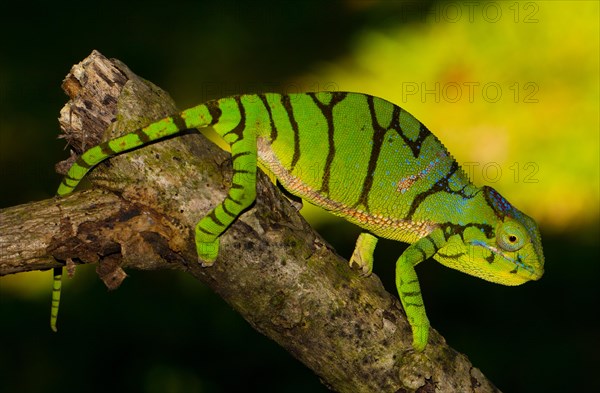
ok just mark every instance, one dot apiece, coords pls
pixel 518 262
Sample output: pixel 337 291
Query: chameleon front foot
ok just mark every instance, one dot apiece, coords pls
pixel 420 337
pixel 362 257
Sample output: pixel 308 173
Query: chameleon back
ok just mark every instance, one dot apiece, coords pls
pixel 360 157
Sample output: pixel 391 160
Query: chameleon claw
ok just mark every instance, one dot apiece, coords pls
pixel 365 268
pixel 206 263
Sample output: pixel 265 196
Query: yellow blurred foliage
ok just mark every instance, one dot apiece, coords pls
pixel 511 89
pixel 29 285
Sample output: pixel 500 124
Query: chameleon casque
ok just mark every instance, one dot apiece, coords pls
pixel 366 160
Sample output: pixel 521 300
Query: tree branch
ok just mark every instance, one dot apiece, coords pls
pixel 272 268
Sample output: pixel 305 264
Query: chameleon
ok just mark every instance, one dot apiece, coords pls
pixel 364 159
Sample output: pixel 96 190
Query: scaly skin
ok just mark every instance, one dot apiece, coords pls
pixel 363 159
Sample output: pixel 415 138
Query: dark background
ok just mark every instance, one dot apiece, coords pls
pixel 162 331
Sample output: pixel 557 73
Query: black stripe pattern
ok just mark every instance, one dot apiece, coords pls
pixel 238 130
pixel 378 138
pixel 327 111
pixel 287 105
pixel 442 185
pixel 273 135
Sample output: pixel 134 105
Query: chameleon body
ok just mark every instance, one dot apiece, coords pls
pixel 366 160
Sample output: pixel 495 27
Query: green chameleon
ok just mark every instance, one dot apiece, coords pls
pixel 366 160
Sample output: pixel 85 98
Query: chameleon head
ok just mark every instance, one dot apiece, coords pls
pixel 506 248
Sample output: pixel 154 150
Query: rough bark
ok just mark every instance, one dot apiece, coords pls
pixel 140 213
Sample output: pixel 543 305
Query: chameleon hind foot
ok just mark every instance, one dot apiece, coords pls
pixel 207 252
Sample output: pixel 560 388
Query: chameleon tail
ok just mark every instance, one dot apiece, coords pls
pixel 197 117
pixel 56 286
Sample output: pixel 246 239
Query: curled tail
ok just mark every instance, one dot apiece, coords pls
pixel 197 117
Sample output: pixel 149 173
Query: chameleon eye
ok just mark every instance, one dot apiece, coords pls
pixel 511 236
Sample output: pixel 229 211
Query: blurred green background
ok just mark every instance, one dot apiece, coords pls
pixel 511 88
